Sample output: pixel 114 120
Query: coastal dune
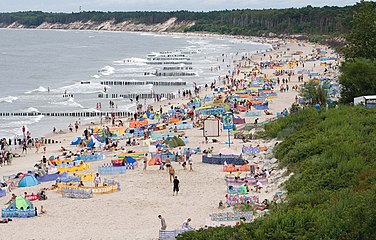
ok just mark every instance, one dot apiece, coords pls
pixel 169 25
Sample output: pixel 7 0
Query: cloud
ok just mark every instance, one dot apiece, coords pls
pixel 155 5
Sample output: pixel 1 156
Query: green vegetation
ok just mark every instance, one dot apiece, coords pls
pixel 307 20
pixel 332 194
pixel 361 42
pixel 358 78
pixel 314 93
pixel 358 73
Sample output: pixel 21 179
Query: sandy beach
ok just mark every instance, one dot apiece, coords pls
pixel 132 212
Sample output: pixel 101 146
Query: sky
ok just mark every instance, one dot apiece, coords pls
pixel 158 5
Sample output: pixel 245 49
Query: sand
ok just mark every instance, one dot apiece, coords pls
pixel 132 212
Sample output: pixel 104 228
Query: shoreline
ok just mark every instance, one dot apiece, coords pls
pixel 255 39
pixel 268 46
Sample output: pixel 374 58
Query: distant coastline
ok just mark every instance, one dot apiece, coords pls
pixel 170 25
pixel 166 28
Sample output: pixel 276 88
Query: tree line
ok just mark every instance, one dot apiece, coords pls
pixel 306 20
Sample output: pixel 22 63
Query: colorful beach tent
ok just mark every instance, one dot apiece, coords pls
pixel 175 142
pixel 130 160
pixel 28 181
pixel 21 202
pixel 156 160
pixel 76 141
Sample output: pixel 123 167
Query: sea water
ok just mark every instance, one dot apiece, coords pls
pixel 37 67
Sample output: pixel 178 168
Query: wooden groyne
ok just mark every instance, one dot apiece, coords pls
pixel 171 74
pixel 137 95
pixel 65 114
pixel 132 83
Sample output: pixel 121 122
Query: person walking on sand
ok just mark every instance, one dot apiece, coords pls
pixel 176 186
pixel 37 146
pixel 76 125
pixel 171 172
pixel 163 222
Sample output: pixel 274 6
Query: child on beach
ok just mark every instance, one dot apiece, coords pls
pixel 184 165
pixel 97 180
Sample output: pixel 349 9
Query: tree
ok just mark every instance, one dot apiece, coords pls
pixel 314 93
pixel 361 42
pixel 358 78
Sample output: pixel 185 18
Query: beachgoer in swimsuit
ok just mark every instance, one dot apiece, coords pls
pixel 172 173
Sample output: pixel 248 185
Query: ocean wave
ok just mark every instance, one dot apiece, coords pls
pixel 17 123
pixel 107 70
pixel 131 61
pixel 150 86
pixel 91 110
pixel 39 89
pixel 146 34
pixel 30 110
pixel 8 99
pixel 198 42
pixel 70 102
pixel 82 88
pixel 133 70
pixel 96 76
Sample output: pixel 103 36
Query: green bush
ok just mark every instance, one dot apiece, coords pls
pixel 332 194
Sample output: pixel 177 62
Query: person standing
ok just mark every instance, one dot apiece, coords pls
pixel 163 222
pixel 97 180
pixel 176 186
pixel 179 153
pixel 171 173
pixel 187 154
pixel 37 145
pixel 145 161
pixel 76 125
pixel 24 131
pixel 24 147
